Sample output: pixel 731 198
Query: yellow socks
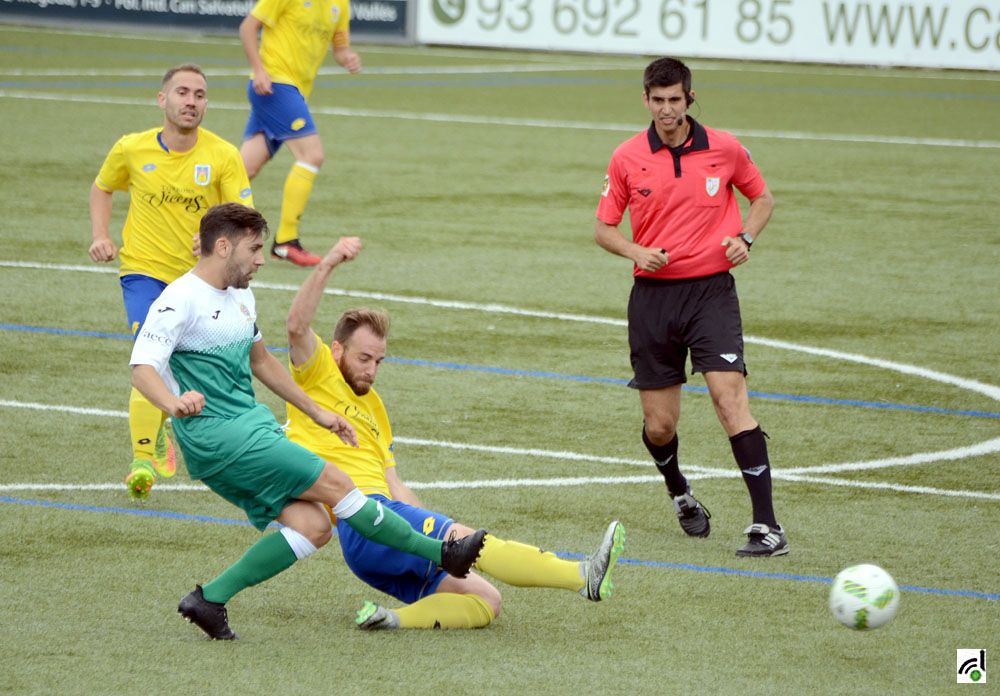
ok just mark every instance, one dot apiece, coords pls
pixel 144 421
pixel 446 610
pixel 528 566
pixel 298 186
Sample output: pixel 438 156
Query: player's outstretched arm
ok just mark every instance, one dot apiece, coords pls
pixel 303 310
pixel 275 377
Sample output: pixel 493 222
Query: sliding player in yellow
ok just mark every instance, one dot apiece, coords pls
pixel 294 39
pixel 173 173
pixel 339 377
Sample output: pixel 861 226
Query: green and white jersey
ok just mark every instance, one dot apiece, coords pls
pixel 198 337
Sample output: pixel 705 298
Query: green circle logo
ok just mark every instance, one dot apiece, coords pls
pixel 448 11
pixel 976 675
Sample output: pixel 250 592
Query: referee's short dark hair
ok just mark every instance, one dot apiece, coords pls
pixel 664 72
pixel 232 221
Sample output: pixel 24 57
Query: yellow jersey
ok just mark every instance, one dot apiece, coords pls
pixel 322 380
pixel 170 192
pixel 296 36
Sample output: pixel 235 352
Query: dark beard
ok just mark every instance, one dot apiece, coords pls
pixel 352 382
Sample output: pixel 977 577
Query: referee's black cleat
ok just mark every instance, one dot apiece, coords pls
pixel 459 555
pixel 210 617
pixel 693 516
pixel 764 541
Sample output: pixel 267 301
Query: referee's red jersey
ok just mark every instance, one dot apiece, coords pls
pixel 681 199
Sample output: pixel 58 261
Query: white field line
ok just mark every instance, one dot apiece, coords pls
pixel 988 390
pixel 608 61
pixel 976 450
pixel 524 122
pixel 696 473
pixel 491 484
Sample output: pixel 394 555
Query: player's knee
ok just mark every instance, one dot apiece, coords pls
pixel 729 406
pixel 493 599
pixel 661 430
pixel 336 484
pixel 313 158
pixel 320 537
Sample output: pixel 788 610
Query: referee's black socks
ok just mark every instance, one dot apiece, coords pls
pixel 750 450
pixel 665 457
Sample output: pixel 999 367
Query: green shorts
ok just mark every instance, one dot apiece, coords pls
pixel 268 476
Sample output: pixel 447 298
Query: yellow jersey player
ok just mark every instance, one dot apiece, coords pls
pixel 340 377
pixel 173 173
pixel 294 40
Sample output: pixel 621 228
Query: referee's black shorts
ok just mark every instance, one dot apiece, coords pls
pixel 666 318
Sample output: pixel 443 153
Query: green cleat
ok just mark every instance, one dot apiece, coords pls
pixel 372 617
pixel 598 567
pixel 164 457
pixel 140 480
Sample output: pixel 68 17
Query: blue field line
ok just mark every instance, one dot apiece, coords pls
pixel 447 365
pixel 721 570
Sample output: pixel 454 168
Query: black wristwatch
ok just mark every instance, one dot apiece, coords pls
pixel 747 239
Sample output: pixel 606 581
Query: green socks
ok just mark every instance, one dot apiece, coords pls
pixel 265 559
pixel 380 524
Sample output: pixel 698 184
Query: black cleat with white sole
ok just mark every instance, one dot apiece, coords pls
pixel 763 541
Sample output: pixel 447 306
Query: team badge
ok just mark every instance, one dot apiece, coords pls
pixel 202 174
pixel 246 312
pixel 712 185
pixel 335 11
pixel 606 188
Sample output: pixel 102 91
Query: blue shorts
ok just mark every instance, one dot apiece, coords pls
pixel 402 575
pixel 139 292
pixel 280 116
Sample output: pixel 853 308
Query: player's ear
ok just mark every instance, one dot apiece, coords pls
pixel 337 349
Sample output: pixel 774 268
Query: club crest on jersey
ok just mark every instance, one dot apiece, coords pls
pixel 246 312
pixel 712 185
pixel 335 12
pixel 202 174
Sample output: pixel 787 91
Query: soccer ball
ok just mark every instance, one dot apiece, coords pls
pixel 864 597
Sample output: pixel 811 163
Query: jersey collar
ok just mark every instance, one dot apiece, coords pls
pixel 697 139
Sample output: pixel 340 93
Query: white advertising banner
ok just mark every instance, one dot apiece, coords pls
pixel 927 33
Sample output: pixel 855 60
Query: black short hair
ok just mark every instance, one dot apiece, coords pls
pixel 664 72
pixel 232 221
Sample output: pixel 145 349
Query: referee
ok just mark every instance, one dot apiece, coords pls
pixel 676 179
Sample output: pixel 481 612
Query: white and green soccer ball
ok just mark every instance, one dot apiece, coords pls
pixel 864 597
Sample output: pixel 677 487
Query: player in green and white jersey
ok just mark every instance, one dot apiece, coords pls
pixel 194 359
